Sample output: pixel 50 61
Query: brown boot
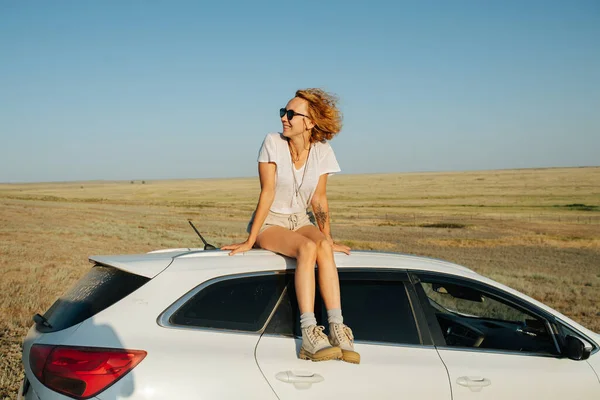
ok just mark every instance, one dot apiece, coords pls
pixel 316 346
pixel 341 336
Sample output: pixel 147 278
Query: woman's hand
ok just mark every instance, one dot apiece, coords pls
pixel 339 247
pixel 238 247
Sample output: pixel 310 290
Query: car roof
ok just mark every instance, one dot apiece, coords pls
pixel 152 263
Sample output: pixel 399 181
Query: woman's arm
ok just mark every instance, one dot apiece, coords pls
pixel 266 173
pixel 320 208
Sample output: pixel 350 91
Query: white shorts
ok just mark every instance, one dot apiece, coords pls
pixel 292 222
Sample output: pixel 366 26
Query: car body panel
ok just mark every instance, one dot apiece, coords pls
pixel 513 376
pixel 594 362
pixel 178 359
pixel 188 362
pixel 385 372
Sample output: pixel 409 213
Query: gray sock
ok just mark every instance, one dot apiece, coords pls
pixel 307 319
pixel 334 316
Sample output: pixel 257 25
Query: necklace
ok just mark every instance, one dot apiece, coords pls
pixel 297 158
pixel 296 185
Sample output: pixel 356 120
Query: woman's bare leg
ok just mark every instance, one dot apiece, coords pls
pixel 329 281
pixel 292 244
pixel 315 344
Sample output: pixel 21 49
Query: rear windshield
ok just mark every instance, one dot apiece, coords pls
pixel 100 288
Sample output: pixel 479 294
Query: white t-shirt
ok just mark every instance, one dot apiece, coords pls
pixel 321 160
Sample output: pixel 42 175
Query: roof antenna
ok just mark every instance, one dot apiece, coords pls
pixel 206 245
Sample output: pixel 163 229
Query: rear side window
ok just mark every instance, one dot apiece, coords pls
pixel 100 288
pixel 379 311
pixel 242 304
pixel 375 306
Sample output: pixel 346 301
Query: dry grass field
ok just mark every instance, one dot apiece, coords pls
pixel 536 230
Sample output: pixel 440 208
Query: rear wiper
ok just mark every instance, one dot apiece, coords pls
pixel 206 245
pixel 41 320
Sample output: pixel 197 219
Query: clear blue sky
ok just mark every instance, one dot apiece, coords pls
pixel 188 89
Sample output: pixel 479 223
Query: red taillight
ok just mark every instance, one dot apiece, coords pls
pixel 81 372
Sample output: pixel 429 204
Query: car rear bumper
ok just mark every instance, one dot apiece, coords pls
pixel 26 391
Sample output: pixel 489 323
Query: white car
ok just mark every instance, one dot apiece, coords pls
pixel 195 324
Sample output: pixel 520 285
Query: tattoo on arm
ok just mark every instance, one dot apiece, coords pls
pixel 321 215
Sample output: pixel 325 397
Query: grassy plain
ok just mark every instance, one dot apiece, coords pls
pixel 536 230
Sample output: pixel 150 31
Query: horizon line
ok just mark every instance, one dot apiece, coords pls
pixel 256 176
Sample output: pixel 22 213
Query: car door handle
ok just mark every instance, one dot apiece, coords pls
pixel 300 379
pixel 475 383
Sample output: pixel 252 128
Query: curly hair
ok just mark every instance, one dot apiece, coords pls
pixel 323 111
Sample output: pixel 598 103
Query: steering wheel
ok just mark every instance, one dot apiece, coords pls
pixel 458 332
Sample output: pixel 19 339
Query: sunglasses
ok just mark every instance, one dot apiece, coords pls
pixel 290 113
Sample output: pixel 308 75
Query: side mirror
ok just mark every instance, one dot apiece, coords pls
pixel 576 348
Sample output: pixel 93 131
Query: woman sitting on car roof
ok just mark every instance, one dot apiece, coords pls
pixel 293 167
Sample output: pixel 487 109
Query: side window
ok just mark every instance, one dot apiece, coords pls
pixel 470 317
pixel 377 310
pixel 242 304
